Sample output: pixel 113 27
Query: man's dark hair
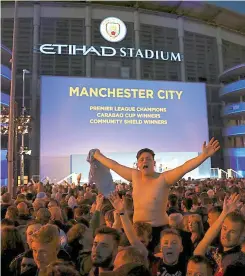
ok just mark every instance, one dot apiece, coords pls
pixel 215 209
pixel 29 196
pixel 32 222
pixel 170 231
pixel 83 221
pixel 7 222
pixel 173 200
pixel 84 209
pixel 187 202
pixel 52 200
pixel 198 259
pixel 145 150
pixel 28 254
pixel 109 231
pixel 237 217
pixel 141 228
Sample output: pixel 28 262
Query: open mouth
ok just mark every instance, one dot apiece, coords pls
pixel 169 253
pixel 145 167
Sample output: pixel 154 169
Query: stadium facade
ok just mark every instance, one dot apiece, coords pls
pixel 206 39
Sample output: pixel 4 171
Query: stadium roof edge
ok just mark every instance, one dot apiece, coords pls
pixel 197 10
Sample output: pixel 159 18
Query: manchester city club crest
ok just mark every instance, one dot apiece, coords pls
pixel 113 29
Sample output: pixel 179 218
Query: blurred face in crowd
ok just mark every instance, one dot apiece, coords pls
pixel 56 213
pixel 197 189
pixel 185 223
pixel 231 233
pixel 26 264
pixel 52 203
pixel 212 217
pixel 205 215
pixel 30 231
pixel 124 257
pixel 193 224
pixel 197 269
pixel 104 250
pixel 146 163
pixel 87 240
pixel 44 253
pixel 171 247
pixel 175 220
pixel 145 239
pixel 38 203
pixel 22 208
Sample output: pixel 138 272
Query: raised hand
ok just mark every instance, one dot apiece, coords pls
pixel 211 147
pixel 116 202
pixel 231 203
pixel 96 153
pixel 99 201
pixel 79 177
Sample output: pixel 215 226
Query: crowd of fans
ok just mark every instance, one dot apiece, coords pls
pixel 68 229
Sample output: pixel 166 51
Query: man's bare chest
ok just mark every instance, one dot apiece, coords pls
pixel 149 190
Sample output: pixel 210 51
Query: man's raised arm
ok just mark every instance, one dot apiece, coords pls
pixel 230 205
pixel 172 176
pixel 121 170
pixel 119 206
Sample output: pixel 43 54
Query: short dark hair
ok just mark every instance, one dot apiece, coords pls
pixel 109 231
pixel 32 222
pixel 109 215
pixel 237 217
pixel 143 227
pixel 131 254
pixel 215 209
pixel 28 254
pixel 145 150
pixel 198 259
pixel 29 196
pixel 83 221
pixel 173 199
pixel 170 231
pixel 187 202
pixel 105 208
pixel 84 209
pixel 7 222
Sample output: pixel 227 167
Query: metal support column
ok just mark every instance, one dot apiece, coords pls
pixel 137 42
pixel 181 46
pixel 35 133
pixel 12 106
pixel 88 26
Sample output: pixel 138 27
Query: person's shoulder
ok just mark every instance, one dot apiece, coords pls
pixel 185 234
pixel 64 255
pixel 237 268
pixel 19 257
pixel 135 172
pixel 241 258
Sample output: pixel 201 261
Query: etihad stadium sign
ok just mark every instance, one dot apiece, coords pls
pixel 113 30
pixel 103 51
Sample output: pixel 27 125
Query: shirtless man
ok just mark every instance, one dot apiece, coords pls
pixel 151 189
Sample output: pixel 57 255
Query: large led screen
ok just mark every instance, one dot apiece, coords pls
pixel 4 98
pixel 120 117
